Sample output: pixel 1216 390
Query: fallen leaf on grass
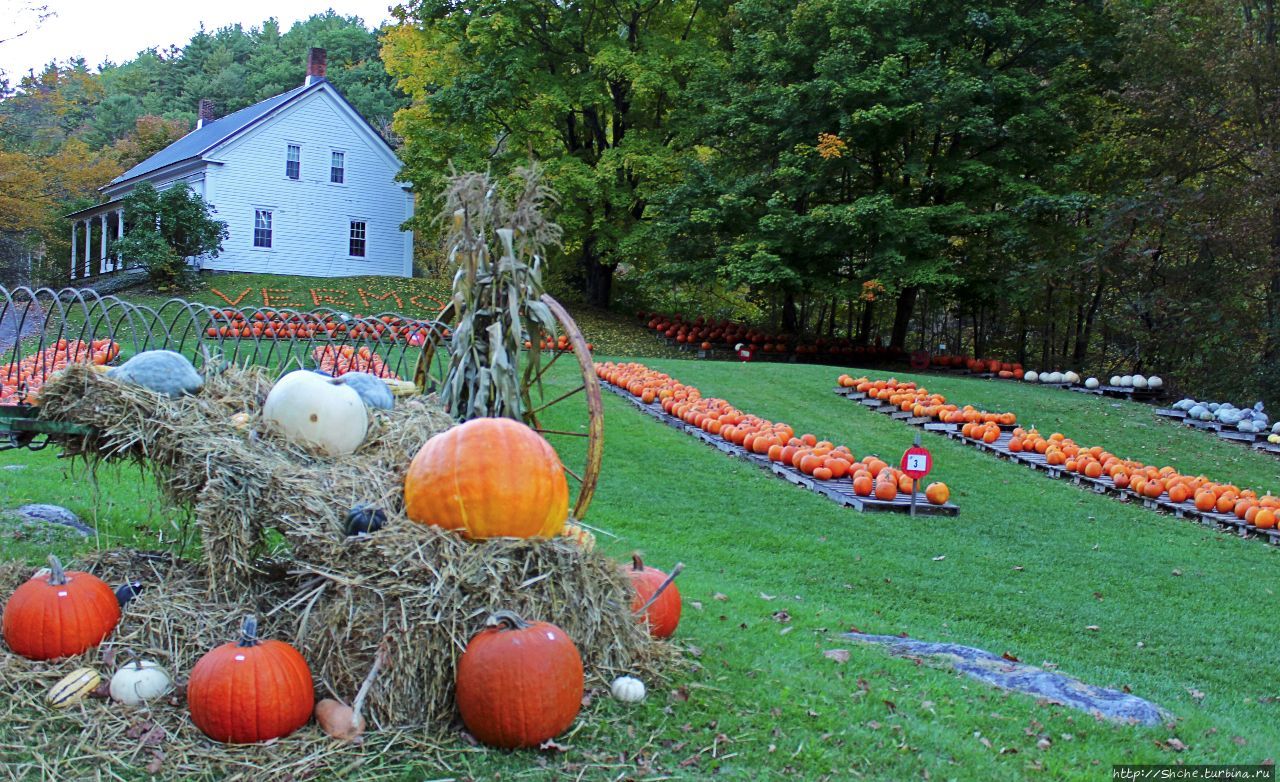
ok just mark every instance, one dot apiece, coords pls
pixel 551 745
pixel 839 655
pixel 1196 695
pixel 891 706
pixel 157 761
pixel 1018 567
pixel 1044 744
pixel 786 630
pixel 781 616
pixel 1010 658
pixel 763 596
pixel 680 694
pixel 720 596
pixel 940 557
pixel 1175 745
pixel 1177 572
pixel 696 605
pixel 1092 628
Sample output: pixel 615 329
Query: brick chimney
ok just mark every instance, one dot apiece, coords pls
pixel 206 113
pixel 316 61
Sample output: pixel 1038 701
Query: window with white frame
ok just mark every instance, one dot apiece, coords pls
pixel 338 168
pixel 293 162
pixel 262 228
pixel 356 242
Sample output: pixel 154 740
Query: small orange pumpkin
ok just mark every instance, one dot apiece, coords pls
pixel 938 493
pixel 59 614
pixel 663 613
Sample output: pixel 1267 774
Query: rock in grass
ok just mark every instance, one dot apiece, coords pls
pixel 53 514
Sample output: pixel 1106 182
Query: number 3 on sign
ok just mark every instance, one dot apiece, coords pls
pixel 916 462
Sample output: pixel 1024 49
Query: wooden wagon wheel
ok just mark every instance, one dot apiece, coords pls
pixel 575 426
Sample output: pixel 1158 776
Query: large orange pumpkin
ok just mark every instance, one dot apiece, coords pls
pixel 663 615
pixel 519 683
pixel 453 483
pixel 251 690
pixel 59 614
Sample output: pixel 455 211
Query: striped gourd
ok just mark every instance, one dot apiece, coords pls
pixel 579 533
pixel 73 687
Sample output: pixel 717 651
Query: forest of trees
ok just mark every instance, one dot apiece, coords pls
pixel 1068 183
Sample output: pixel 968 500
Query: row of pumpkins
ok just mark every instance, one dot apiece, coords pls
pixel 518 683
pixel 909 397
pixel 1244 419
pixel 820 459
pixel 1143 479
pixel 1139 382
pixel 1149 481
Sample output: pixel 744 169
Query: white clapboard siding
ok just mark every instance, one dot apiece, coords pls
pixel 311 217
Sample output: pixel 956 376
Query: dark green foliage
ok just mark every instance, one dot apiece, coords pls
pixel 165 228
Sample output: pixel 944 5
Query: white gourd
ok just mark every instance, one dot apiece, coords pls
pixel 1115 380
pixel 1091 383
pixel 1155 382
pixel 627 689
pixel 1139 381
pixel 1031 377
pixel 310 410
pixel 138 681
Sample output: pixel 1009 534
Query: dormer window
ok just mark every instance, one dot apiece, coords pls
pixel 293 162
pixel 338 168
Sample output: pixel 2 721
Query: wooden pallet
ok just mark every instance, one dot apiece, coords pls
pixel 841 491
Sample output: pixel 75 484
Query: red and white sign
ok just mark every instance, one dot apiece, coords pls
pixel 916 462
pixel 744 351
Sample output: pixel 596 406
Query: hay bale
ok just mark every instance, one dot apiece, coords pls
pixel 427 591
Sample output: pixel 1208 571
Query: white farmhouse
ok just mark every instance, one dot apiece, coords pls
pixel 304 183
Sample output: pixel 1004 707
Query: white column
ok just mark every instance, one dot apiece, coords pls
pixel 102 263
pixel 119 235
pixel 88 247
pixel 74 223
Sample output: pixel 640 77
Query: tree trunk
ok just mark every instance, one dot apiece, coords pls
pixel 789 315
pixel 864 328
pixel 1270 385
pixel 598 276
pixel 902 316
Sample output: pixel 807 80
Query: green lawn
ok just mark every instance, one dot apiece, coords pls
pixel 1029 564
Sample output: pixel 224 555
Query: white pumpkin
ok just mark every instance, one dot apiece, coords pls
pixel 1054 377
pixel 1139 381
pixel 1092 383
pixel 1126 381
pixel 1031 377
pixel 1115 380
pixel 1070 377
pixel 1155 382
pixel 138 681
pixel 627 689
pixel 1273 438
pixel 310 410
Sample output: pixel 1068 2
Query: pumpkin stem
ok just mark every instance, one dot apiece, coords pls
pixel 509 620
pixel 636 562
pixel 57 576
pixel 249 631
pixel 675 571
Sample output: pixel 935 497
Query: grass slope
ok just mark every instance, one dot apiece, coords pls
pixel 775 574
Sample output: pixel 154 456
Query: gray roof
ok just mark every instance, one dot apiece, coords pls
pixel 198 141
